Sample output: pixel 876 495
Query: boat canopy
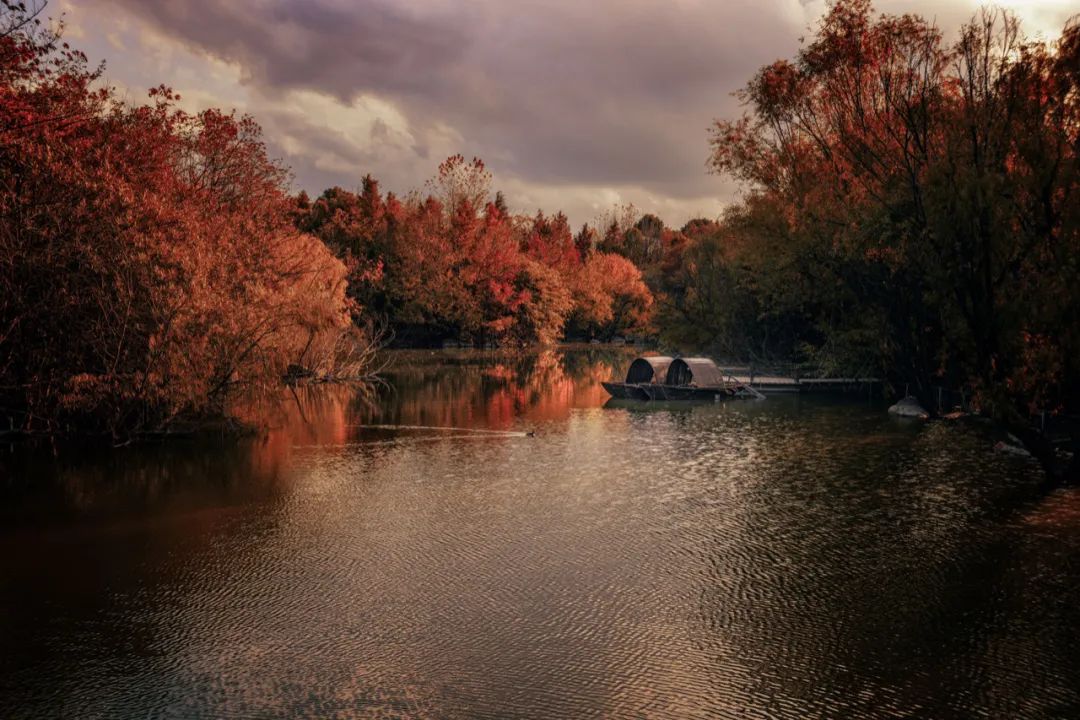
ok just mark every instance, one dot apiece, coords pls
pixel 699 372
pixel 648 369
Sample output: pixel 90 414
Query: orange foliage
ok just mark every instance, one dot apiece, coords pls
pixel 610 297
pixel 149 258
pixel 434 271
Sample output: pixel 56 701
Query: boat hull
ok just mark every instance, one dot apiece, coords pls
pixel 658 392
pixel 687 393
pixel 625 391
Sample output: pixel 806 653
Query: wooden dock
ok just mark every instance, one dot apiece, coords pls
pixel 770 384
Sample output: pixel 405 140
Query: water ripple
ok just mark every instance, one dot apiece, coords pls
pixel 785 559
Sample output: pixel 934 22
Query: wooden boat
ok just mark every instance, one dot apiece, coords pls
pixel 692 379
pixel 625 391
pixel 685 392
pixel 680 379
pixel 643 373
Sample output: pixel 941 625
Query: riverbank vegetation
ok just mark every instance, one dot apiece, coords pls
pixel 910 210
pixel 148 259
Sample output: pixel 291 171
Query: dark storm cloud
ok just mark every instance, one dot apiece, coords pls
pixel 336 48
pixel 560 94
pixel 573 92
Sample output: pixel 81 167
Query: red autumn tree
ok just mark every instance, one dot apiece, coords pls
pixel 610 297
pixel 549 241
pixel 150 263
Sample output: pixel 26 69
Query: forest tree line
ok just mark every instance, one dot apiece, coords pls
pixel 455 264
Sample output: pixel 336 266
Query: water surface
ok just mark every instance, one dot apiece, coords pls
pixel 792 558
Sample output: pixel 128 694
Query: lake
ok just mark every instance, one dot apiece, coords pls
pixel 545 557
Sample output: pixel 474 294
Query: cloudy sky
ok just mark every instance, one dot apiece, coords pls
pixel 574 104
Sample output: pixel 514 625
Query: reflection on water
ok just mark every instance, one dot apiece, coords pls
pixel 790 558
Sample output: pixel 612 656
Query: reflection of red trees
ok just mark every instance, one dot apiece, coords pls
pixel 547 391
pixel 1060 511
pixel 542 390
pixel 306 415
pixel 486 394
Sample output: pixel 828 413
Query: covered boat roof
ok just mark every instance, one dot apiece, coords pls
pixel 648 369
pixel 700 372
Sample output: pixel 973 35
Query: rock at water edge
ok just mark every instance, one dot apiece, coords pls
pixel 909 407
